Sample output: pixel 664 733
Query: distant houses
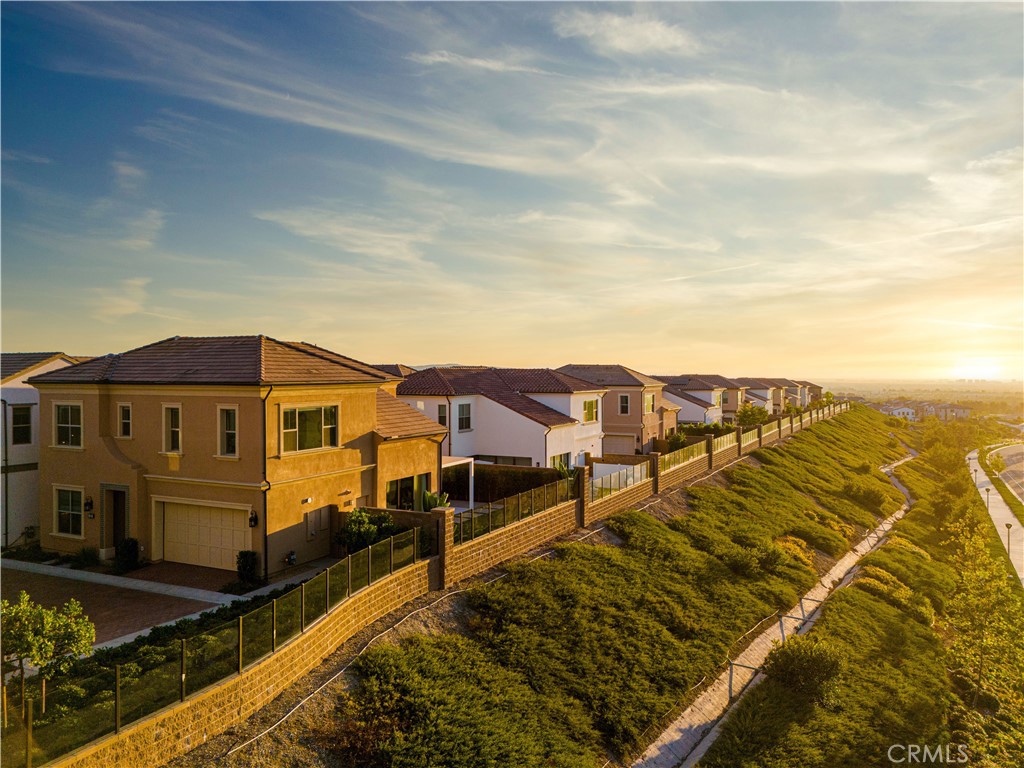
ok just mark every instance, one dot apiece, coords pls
pixel 920 410
pixel 203 447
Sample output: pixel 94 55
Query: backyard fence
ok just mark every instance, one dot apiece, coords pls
pixel 683 455
pixel 749 437
pixel 78 710
pixel 618 481
pixel 727 440
pixel 484 518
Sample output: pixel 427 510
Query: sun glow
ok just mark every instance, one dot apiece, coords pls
pixel 977 368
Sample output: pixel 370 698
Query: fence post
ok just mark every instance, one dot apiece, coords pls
pixel 369 572
pixel 655 471
pixel 241 619
pixel 730 680
pixel 327 578
pixel 302 600
pixel 445 521
pixel 348 576
pixel 582 476
pixel 709 442
pixel 28 732
pixel 183 663
pixel 274 633
pixel 117 698
pixel 416 544
pixel 760 435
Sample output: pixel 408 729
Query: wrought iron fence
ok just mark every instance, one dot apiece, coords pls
pixel 484 518
pixel 76 710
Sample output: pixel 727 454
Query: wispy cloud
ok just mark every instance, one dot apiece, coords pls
pixel 14 156
pixel 129 178
pixel 472 62
pixel 634 34
pixel 128 297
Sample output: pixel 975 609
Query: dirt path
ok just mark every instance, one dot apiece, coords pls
pixel 685 741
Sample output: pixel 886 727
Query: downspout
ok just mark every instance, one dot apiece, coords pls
pixel 449 425
pixel 546 443
pixel 265 486
pixel 7 479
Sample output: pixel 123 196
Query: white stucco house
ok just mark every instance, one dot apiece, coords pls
pixel 692 408
pixel 521 416
pixel 19 494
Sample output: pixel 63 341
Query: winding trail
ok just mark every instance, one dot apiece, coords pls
pixel 686 740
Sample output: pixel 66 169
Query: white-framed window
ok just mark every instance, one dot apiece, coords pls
pixel 589 411
pixel 67 424
pixel 67 511
pixel 172 428
pixel 306 429
pixel 21 425
pixel 227 430
pixel 124 419
pixel 561 460
pixel 648 402
pixel 465 417
pixel 623 405
pixel 442 414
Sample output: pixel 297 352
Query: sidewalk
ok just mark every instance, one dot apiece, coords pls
pixel 685 741
pixel 1000 513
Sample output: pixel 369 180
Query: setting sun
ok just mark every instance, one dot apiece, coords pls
pixel 977 368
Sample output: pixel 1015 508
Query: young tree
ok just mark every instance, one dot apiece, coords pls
pixel 751 415
pixel 47 638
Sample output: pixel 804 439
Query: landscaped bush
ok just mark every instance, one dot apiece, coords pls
pixel 87 557
pixel 126 555
pixel 363 528
pixel 248 566
pixel 807 666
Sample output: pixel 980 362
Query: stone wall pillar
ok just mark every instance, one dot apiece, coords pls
pixel 655 471
pixel 760 435
pixel 582 495
pixel 739 441
pixel 444 522
pixel 709 442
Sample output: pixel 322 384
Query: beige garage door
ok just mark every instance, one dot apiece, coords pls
pixel 202 535
pixel 619 444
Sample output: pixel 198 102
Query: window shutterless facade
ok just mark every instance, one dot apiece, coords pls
pixel 21 425
pixel 68 425
pixel 67 510
pixel 465 417
pixel 623 405
pixel 648 402
pixel 442 414
pixel 561 460
pixel 227 431
pixel 172 429
pixel 124 420
pixel 306 429
pixel 589 411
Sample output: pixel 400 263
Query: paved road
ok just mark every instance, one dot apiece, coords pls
pixel 1000 514
pixel 1014 474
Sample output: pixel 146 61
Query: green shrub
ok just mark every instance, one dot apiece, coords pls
pixel 126 555
pixel 248 566
pixel 363 528
pixel 87 557
pixel 807 666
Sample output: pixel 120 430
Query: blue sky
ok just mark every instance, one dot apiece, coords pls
pixel 813 190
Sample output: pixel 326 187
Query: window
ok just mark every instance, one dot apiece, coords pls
pixel 442 414
pixel 648 402
pixel 69 425
pixel 561 460
pixel 172 429
pixel 69 512
pixel 305 429
pixel 589 411
pixel 21 425
pixel 465 420
pixel 623 405
pixel 407 492
pixel 725 398
pixel 124 420
pixel 515 461
pixel 228 431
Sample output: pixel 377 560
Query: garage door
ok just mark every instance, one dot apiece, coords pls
pixel 201 535
pixel 619 444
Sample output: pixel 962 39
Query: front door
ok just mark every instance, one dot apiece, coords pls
pixel 119 515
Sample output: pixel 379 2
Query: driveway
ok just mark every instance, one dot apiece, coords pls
pixel 114 610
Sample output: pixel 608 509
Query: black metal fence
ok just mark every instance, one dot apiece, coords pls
pixel 484 518
pixel 77 710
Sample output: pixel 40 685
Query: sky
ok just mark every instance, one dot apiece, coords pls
pixel 767 189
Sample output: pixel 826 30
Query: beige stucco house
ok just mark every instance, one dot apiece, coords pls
pixel 635 413
pixel 202 447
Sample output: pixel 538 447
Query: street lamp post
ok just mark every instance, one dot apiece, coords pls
pixel 975 475
pixel 1008 527
pixel 987 492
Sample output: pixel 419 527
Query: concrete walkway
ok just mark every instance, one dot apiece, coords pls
pixel 693 733
pixel 1000 513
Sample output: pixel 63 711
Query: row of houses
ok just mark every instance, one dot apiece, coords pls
pixel 201 447
pixel 913 410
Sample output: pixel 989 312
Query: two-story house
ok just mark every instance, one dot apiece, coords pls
pixel 520 416
pixel 764 394
pixel 203 447
pixel 19 494
pixel 635 412
pixel 812 392
pixel 705 391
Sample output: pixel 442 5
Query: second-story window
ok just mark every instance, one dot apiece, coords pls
pixel 68 424
pixel 304 429
pixel 465 417
pixel 442 414
pixel 648 402
pixel 228 431
pixel 725 398
pixel 623 405
pixel 21 425
pixel 589 411
pixel 124 420
pixel 172 429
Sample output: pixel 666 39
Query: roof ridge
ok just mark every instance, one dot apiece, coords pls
pixel 303 346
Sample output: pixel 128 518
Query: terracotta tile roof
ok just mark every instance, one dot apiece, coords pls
pixel 755 383
pixel 545 380
pixel 780 382
pixel 610 375
pixel 492 383
pixel 754 396
pixel 220 360
pixel 13 363
pixel 396 419
pixel 676 391
pixel 397 370
pixel 691 382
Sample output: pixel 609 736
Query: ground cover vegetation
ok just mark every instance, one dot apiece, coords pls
pixel 595 645
pixel 929 633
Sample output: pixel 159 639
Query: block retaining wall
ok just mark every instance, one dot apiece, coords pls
pixel 617 502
